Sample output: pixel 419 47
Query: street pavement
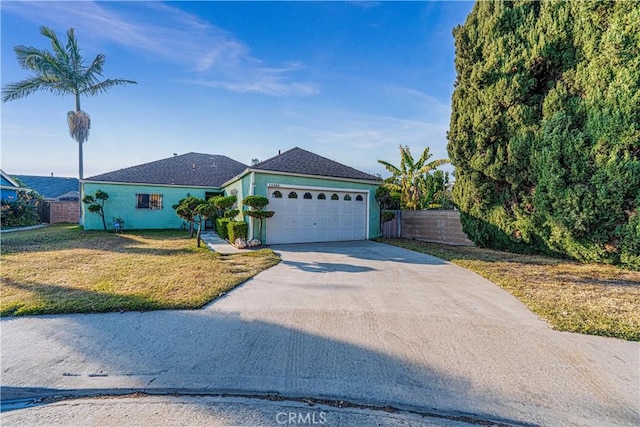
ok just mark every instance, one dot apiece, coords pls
pixel 365 323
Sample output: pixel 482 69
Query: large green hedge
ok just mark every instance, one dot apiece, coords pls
pixel 545 128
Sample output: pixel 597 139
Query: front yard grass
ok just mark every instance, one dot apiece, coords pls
pixel 64 269
pixel 592 299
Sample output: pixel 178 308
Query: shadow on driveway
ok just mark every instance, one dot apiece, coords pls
pixel 199 352
pixel 362 249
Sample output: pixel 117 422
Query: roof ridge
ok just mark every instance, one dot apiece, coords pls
pixel 273 157
pixel 310 163
pixel 207 170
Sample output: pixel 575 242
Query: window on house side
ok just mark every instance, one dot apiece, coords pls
pixel 149 201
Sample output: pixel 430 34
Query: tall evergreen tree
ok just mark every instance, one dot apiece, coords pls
pixel 545 128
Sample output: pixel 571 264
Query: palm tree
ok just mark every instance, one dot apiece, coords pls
pixel 409 178
pixel 63 71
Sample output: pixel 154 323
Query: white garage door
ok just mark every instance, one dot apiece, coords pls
pixel 308 215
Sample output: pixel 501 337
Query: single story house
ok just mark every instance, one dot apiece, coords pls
pixel 315 199
pixel 52 188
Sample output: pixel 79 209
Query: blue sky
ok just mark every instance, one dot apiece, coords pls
pixel 349 81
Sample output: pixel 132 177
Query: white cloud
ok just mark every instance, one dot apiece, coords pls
pixel 214 56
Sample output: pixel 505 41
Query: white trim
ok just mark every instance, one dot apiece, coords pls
pixel 7 187
pixel 236 178
pixel 341 189
pixel 301 175
pixel 310 187
pixel 252 187
pixel 11 180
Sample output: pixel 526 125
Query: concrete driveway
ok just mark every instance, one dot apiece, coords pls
pixel 362 322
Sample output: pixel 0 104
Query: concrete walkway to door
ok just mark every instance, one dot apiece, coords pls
pixel 359 321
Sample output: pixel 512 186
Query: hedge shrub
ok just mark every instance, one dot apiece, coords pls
pixel 237 230
pixel 222 227
pixel 545 128
pixel 17 213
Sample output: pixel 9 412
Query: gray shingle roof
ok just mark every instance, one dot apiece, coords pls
pixel 303 162
pixel 195 169
pixel 49 187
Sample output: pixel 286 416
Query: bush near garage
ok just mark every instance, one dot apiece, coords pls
pixel 237 230
pixel 222 229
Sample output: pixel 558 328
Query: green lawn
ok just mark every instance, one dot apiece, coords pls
pixel 592 299
pixel 64 269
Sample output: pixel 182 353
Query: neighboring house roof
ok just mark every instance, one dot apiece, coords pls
pixel 303 162
pixel 191 169
pixel 50 187
pixel 6 182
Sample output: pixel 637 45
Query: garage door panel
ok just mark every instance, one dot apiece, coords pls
pixel 333 218
pixel 323 222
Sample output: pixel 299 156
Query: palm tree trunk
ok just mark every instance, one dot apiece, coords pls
pixel 80 168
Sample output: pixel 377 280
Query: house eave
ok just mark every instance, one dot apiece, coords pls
pixel 8 187
pixel 301 175
pixel 9 180
pixel 145 184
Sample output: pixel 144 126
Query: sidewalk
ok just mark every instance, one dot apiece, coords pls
pixel 30 227
pixel 218 244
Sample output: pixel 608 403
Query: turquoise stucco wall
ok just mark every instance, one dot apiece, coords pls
pixel 122 203
pixel 241 193
pixel 122 200
pixel 262 180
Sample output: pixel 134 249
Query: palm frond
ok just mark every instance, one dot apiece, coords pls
pixel 104 86
pixel 58 50
pixel 406 159
pixel 392 186
pixel 391 168
pixel 434 164
pixel 76 60
pixel 424 157
pixel 96 66
pixel 29 57
pixel 26 87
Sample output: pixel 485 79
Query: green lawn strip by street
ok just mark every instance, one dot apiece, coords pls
pixel 592 299
pixel 64 269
